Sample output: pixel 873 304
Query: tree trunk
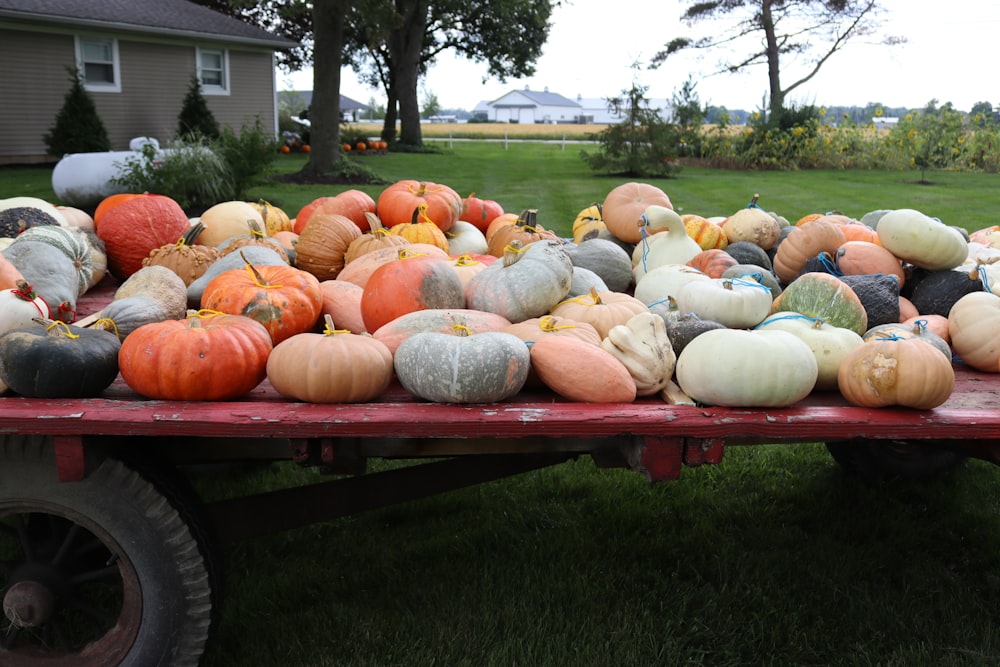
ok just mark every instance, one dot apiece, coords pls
pixel 777 96
pixel 389 123
pixel 406 45
pixel 324 114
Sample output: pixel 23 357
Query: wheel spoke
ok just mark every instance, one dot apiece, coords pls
pixel 109 573
pixel 92 610
pixel 13 634
pixel 74 532
pixel 22 535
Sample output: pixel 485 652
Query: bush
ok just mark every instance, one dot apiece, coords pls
pixel 196 119
pixel 249 155
pixel 641 145
pixel 78 127
pixel 191 173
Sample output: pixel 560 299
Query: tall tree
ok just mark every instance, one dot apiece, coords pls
pixel 324 115
pixel 392 43
pixel 769 32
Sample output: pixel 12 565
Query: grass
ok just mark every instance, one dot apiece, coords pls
pixel 552 178
pixel 774 557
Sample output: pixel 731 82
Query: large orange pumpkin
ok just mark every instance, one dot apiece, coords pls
pixel 136 226
pixel 626 203
pixel 480 212
pixel 397 203
pixel 205 357
pixel 412 282
pixel 323 244
pixel 421 229
pixel 286 300
pixel 352 204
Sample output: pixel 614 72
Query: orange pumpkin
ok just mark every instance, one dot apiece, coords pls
pixel 397 203
pixel 323 244
pixel 602 310
pixel 905 371
pixel 713 262
pixel 480 212
pixel 111 201
pixel 335 366
pixel 525 230
pixel 421 229
pixel 626 203
pixel 802 244
pixel 342 302
pixel 376 238
pixel 412 282
pixel 361 269
pixel 204 357
pixel 286 300
pixel 354 205
pixel 134 227
pixel 861 257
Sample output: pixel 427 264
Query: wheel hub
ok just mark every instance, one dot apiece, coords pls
pixel 29 604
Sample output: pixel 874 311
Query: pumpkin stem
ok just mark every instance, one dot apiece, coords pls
pixel 528 220
pixel 462 330
pixel 512 253
pixel 420 215
pixel 56 328
pixel 375 224
pixel 753 202
pixel 107 324
pixel 465 260
pixel 329 329
pixel 191 235
pixel 405 253
pixel 255 275
pixel 24 290
pixel 595 296
pixel 548 324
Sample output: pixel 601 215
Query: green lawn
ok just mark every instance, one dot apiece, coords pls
pixel 553 179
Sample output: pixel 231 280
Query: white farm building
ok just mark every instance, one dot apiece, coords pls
pixel 531 106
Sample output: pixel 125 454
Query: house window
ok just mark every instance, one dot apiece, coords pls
pixel 213 71
pixel 97 61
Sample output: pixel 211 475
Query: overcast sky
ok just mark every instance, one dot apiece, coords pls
pixel 951 55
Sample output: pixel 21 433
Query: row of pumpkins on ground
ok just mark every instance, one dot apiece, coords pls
pixel 463 302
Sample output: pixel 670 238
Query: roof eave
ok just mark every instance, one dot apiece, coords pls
pixel 26 17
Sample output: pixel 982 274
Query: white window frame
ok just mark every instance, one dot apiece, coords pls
pixel 99 87
pixel 226 81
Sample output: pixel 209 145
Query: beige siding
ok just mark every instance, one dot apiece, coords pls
pixel 155 77
pixel 33 82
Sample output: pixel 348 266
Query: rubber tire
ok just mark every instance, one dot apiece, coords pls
pixel 134 519
pixel 892 459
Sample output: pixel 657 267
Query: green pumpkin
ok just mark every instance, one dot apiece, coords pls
pixel 455 368
pixel 826 297
pixel 56 360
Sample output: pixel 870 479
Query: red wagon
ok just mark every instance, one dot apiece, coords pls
pixel 106 550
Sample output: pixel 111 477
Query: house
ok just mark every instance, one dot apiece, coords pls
pixel 529 106
pixel 137 59
pixel 351 111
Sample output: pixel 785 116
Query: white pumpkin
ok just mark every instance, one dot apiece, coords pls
pixel 665 281
pixel 737 303
pixel 672 246
pixel 741 368
pixel 921 240
pixel 464 238
pixel 228 219
pixel 829 344
pixel 19 306
pixel 643 346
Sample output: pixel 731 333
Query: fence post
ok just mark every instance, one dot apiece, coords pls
pixel 564 143
pixel 505 145
pixel 450 138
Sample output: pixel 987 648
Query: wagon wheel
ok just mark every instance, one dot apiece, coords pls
pixel 900 459
pixel 99 572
